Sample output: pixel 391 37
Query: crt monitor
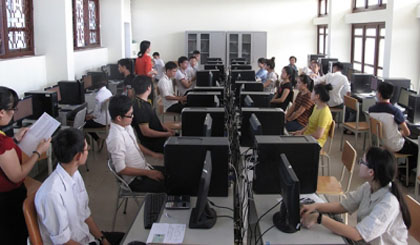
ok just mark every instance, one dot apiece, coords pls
pixel 112 72
pixel 288 218
pixel 203 99
pixel 87 82
pixel 203 216
pixel 243 75
pixel 361 83
pixel 214 62
pixel 404 95
pixel 183 159
pixel 315 57
pixel 324 64
pixel 249 86
pixel 398 83
pixel 24 110
pixel 207 78
pixel 193 118
pixel 207 125
pixel 214 59
pixel 248 102
pixel 72 92
pixel 241 67
pixel 261 99
pixel 375 82
pixel 255 128
pixel 56 89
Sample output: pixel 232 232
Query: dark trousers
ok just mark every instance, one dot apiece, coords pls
pixel 155 144
pixel 177 108
pixel 113 237
pixel 293 126
pixel 12 222
pixel 410 148
pixel 93 124
pixel 145 184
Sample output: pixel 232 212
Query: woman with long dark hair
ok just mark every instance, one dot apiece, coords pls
pixel 144 61
pixel 284 93
pixel 382 214
pixel 13 172
pixel 270 83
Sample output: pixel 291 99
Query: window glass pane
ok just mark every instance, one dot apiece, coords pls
pixel 381 52
pixel 321 44
pixel 360 3
pixel 17 40
pixel 373 2
pixel 371 32
pixel 322 7
pixel 368 70
pixel 357 66
pixel 382 32
pixel 380 72
pixel 15 13
pixel 92 15
pixel 92 37
pixel 370 51
pixel 80 24
pixel 358 31
pixel 384 1
pixel 326 30
pixel 326 44
pixel 358 49
pixel 321 30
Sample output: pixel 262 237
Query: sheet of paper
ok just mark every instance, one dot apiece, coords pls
pixel 43 128
pixel 162 233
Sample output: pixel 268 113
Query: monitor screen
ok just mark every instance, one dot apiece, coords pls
pixel 87 81
pixel 403 97
pixel 55 88
pixel 24 109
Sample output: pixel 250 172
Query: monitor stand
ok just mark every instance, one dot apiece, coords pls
pixel 280 220
pixel 207 219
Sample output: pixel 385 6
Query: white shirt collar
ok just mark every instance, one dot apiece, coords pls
pixel 67 180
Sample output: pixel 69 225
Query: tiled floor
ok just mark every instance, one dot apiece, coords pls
pixel 102 188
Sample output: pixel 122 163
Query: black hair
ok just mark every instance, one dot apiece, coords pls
pixel 126 63
pixel 270 63
pixel 293 57
pixel 322 90
pixel 67 143
pixel 156 54
pixel 170 65
pixel 141 83
pixel 314 62
pixel 100 80
pixel 144 45
pixel 305 79
pixel 8 98
pixel 196 52
pixel 262 60
pixel 381 161
pixel 192 57
pixel 119 105
pixel 338 65
pixel 386 90
pixel 291 74
pixel 182 59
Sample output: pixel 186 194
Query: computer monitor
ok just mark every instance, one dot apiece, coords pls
pixel 214 59
pixel 193 118
pixel 43 101
pixel 203 216
pixel 243 75
pixel 241 67
pixel 203 99
pixel 324 63
pixel 271 119
pixel 350 73
pixel 315 57
pixel 248 102
pixel 72 92
pixel 261 99
pixel 288 218
pixel 56 89
pixel 207 78
pixel 398 83
pixel 24 110
pixel 302 153
pixel 249 86
pixel 361 83
pixel 255 127
pixel 375 82
pixel 87 82
pixel 214 62
pixel 98 76
pixel 219 67
pixel 112 72
pixel 219 89
pixel 207 125
pixel 183 159
pixel 403 97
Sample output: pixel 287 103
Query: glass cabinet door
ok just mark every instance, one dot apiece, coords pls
pixel 233 46
pixel 205 47
pixel 246 47
pixel 192 43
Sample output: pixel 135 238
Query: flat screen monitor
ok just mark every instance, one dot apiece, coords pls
pixel 243 75
pixel 56 89
pixel 183 159
pixel 207 125
pixel 404 95
pixel 87 82
pixel 398 83
pixel 72 92
pixel 203 216
pixel 288 218
pixel 193 118
pixel 375 82
pixel 24 109
pixel 361 83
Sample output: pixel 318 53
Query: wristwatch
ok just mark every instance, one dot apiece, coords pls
pixel 319 219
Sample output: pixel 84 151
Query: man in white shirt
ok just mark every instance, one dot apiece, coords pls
pixel 197 56
pixel 62 202
pixel 340 84
pixel 159 66
pixel 171 103
pixel 183 81
pixel 192 70
pixel 126 154
pixel 313 70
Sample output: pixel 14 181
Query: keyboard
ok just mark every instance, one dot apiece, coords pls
pixel 153 205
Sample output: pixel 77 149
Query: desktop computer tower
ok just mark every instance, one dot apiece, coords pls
pixel 184 158
pixel 398 84
pixel 413 114
pixel 302 153
pixel 43 101
pixel 193 118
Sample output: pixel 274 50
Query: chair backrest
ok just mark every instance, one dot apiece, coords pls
pixel 348 158
pixel 330 136
pixel 375 129
pixel 31 219
pixel 121 182
pixel 79 119
pixel 351 103
pixel 414 208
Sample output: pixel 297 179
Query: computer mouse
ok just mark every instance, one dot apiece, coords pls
pixel 136 243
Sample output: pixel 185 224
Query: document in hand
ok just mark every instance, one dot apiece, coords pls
pixel 43 128
pixel 162 233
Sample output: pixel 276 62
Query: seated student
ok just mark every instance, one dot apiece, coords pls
pixel 171 103
pixel 97 119
pixel 192 70
pixel 320 120
pixel 392 119
pixel 270 83
pixel 382 214
pixel 151 132
pixel 159 65
pixel 313 70
pixel 183 81
pixel 126 154
pixel 292 64
pixel 62 202
pixel 124 67
pixel 297 116
pixel 340 85
pixel 262 72
pixel 284 93
pixel 197 56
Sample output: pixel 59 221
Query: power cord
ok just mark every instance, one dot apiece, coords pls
pixel 212 203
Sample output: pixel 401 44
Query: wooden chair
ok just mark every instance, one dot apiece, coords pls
pixel 102 130
pixel 376 135
pixel 337 112
pixel 329 185
pixel 325 151
pixel 414 208
pixel 29 211
pixel 416 187
pixel 355 127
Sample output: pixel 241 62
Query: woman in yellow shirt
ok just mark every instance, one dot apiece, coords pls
pixel 321 118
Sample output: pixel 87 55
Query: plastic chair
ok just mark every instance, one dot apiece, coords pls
pixel 102 130
pixel 124 192
pixel 325 151
pixel 355 127
pixel 29 211
pixel 80 119
pixel 414 209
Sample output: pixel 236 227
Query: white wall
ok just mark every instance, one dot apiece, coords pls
pixel 88 60
pixel 112 28
pixel 288 24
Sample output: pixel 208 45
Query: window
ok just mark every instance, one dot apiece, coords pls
pixel 322 39
pixel 367 5
pixel 322 7
pixel 16 25
pixel 367 49
pixel 86 24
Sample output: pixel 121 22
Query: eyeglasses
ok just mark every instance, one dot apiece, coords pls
pixel 129 116
pixel 361 161
pixel 13 109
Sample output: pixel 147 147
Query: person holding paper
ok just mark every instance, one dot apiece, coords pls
pixel 12 173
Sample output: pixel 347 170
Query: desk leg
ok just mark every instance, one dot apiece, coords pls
pixel 49 160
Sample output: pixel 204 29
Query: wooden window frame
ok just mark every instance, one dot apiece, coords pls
pixel 5 51
pixel 320 7
pixel 378 6
pixel 88 45
pixel 325 36
pixel 378 26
